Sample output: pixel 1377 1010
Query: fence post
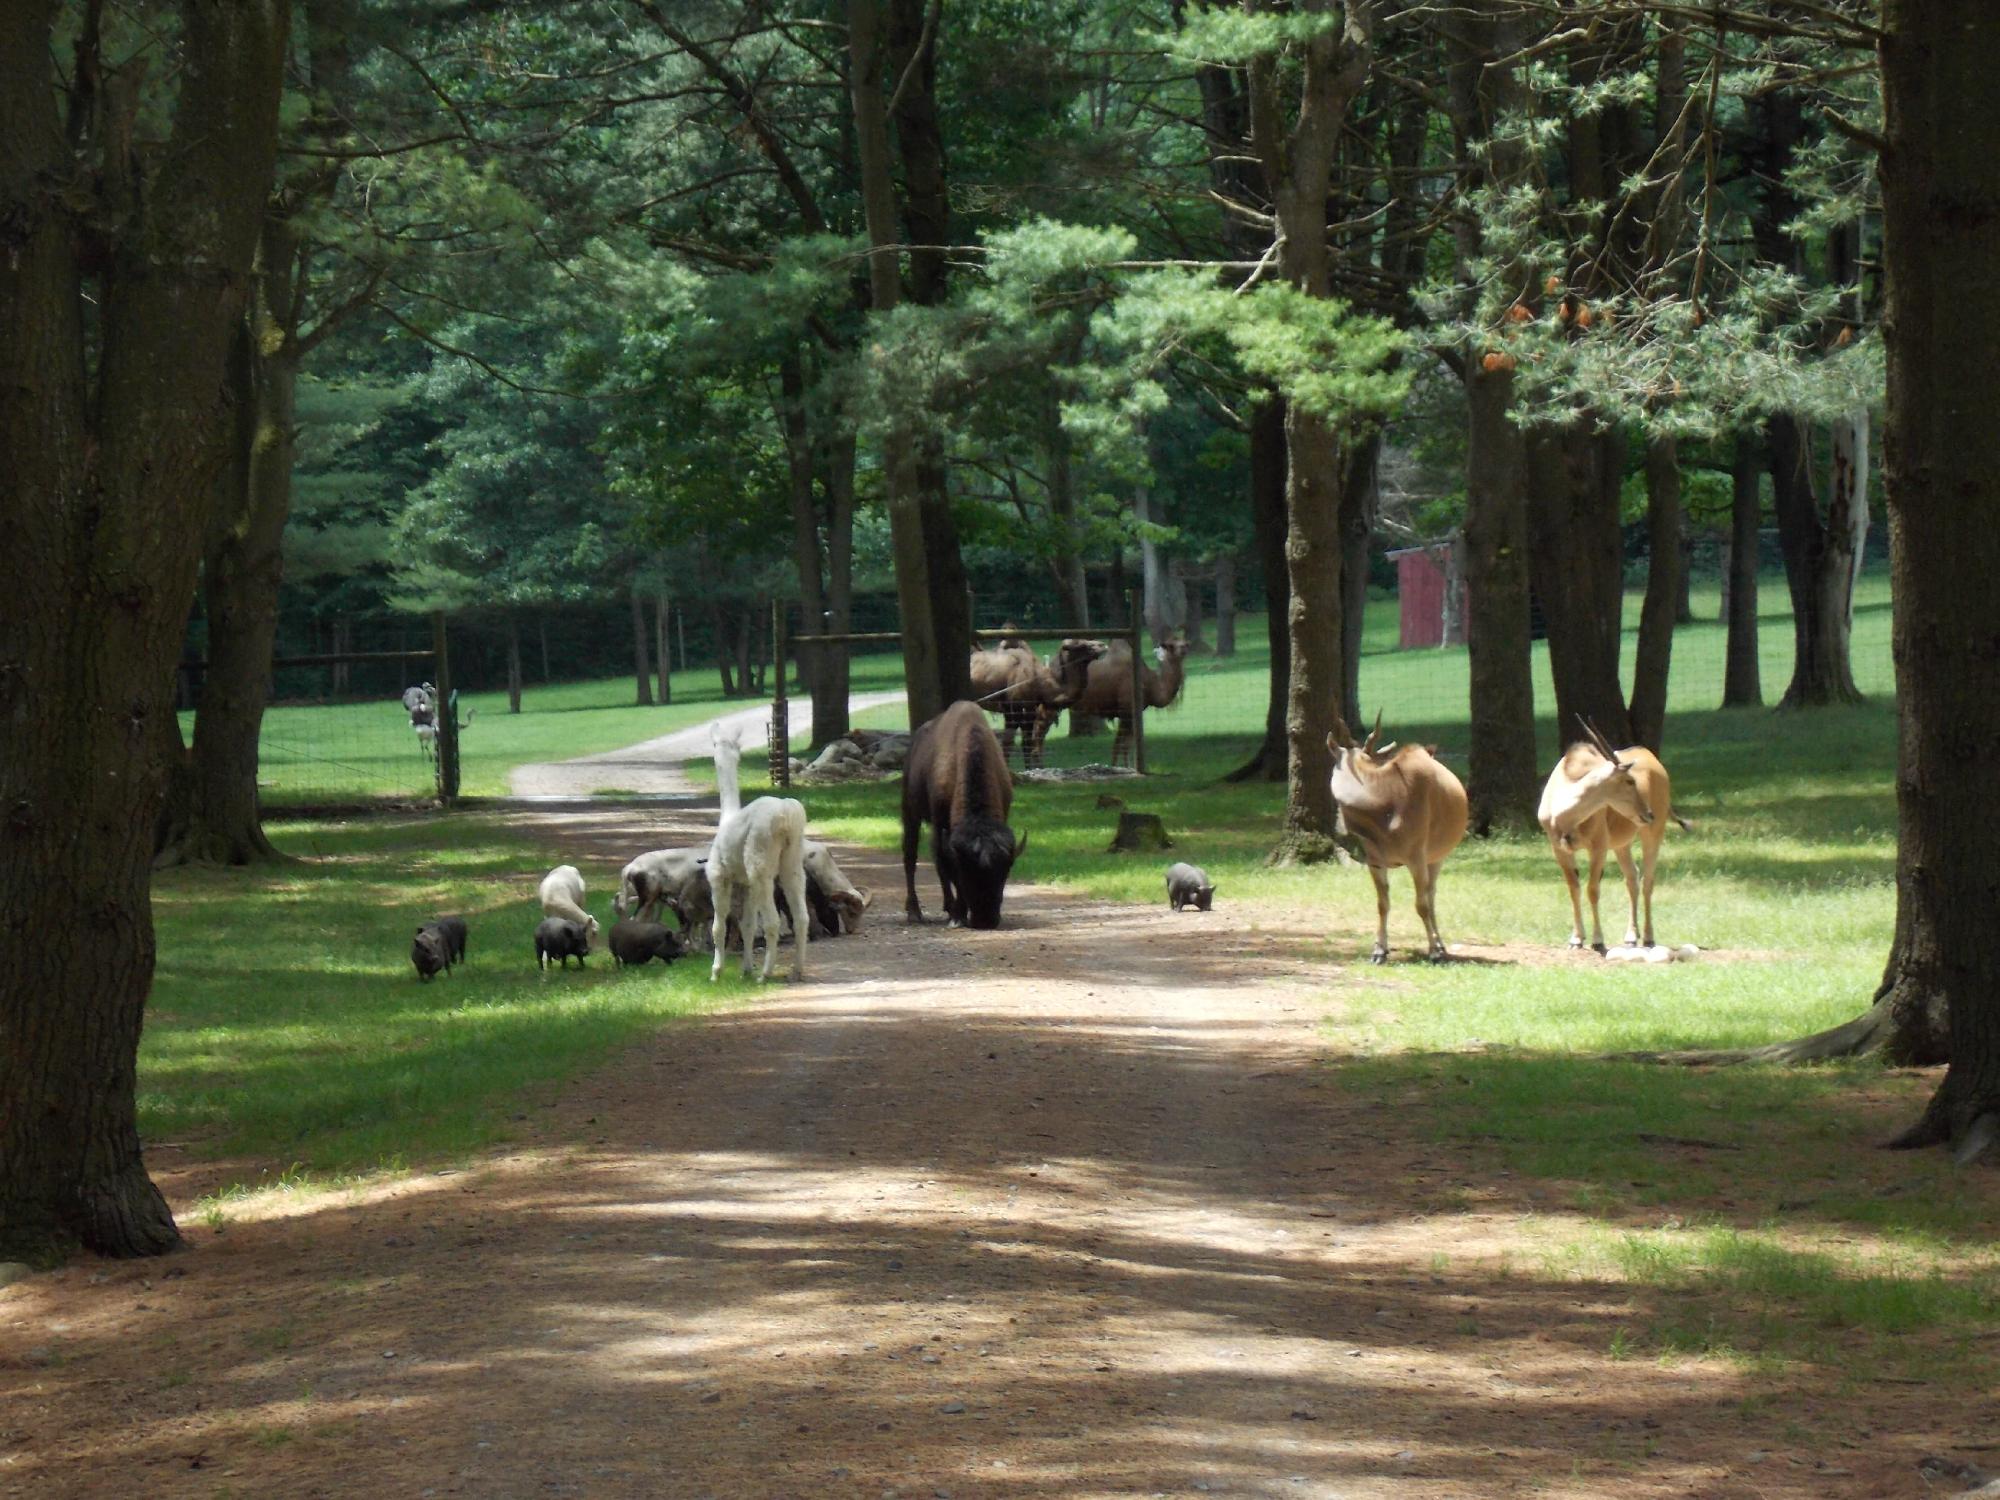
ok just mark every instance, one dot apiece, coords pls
pixel 447 714
pixel 1138 689
pixel 781 706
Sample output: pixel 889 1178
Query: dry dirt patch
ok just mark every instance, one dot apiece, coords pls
pixel 1070 1209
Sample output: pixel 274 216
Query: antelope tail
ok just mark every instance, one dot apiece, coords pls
pixel 1686 826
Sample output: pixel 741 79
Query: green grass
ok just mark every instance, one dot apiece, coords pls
pixel 355 752
pixel 288 1026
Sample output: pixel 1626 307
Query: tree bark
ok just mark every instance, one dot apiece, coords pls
pixel 1505 779
pixel 1071 584
pixel 1742 685
pixel 128 267
pixel 1297 158
pixel 241 573
pixel 513 662
pixel 1576 559
pixel 1941 449
pixel 662 647
pixel 1654 656
pixel 1819 563
pixel 720 637
pixel 1267 517
pixel 917 544
pixel 1504 782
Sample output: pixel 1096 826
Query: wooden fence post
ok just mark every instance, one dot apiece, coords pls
pixel 781 705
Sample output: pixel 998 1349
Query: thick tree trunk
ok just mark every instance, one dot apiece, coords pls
pixel 642 665
pixel 1654 655
pixel 1576 559
pixel 1505 779
pixel 240 577
pixel 1315 466
pixel 1742 685
pixel 1941 449
pixel 831 682
pixel 513 662
pixel 720 636
pixel 1225 606
pixel 1819 567
pixel 1267 517
pixel 111 368
pixel 1155 587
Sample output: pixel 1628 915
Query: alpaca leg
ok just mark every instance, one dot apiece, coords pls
pixel 1632 898
pixel 1380 876
pixel 723 895
pixel 794 877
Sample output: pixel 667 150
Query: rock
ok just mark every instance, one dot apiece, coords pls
pixel 952 1408
pixel 12 1271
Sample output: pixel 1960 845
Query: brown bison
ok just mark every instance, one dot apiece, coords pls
pixel 957 781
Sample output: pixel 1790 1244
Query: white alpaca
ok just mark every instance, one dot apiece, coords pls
pixel 756 847
pixel 562 896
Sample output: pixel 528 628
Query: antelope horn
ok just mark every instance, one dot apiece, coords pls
pixel 1386 749
pixel 1368 747
pixel 1341 737
pixel 1603 745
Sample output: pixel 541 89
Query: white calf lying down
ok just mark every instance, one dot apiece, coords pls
pixel 561 895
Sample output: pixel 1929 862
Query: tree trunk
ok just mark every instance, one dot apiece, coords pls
pixel 1267 517
pixel 910 538
pixel 1225 606
pixel 343 640
pixel 662 647
pixel 1576 559
pixel 831 674
pixel 642 666
pixel 1505 778
pixel 720 637
pixel 112 359
pixel 1684 597
pixel 1313 474
pixel 1819 562
pixel 1504 783
pixel 1154 586
pixel 1742 686
pixel 1941 239
pixel 513 662
pixel 1654 656
pixel 1191 611
pixel 542 625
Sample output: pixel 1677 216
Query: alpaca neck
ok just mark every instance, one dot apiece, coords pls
pixel 727 785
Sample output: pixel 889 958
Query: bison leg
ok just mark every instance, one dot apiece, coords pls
pixel 947 870
pixel 1380 954
pixel 913 910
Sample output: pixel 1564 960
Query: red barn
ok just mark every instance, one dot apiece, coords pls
pixel 1430 582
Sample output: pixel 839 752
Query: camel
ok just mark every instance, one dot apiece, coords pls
pixel 1027 693
pixel 1107 691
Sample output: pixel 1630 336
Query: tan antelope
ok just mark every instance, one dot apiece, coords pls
pixel 1407 808
pixel 1600 799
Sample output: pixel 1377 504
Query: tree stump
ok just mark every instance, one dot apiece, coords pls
pixel 1138 832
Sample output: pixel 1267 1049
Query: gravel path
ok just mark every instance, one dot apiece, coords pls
pixel 654 766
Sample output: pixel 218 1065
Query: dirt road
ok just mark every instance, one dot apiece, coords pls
pixel 1074 1208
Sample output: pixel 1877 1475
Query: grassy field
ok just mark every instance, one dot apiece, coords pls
pixel 285 1029
pixel 358 752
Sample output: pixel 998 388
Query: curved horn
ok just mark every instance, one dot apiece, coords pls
pixel 1368 745
pixel 1598 741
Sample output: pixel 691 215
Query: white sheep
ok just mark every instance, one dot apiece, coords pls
pixel 672 879
pixel 755 847
pixel 562 896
